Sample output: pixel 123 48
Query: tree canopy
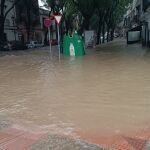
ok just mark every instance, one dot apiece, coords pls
pixel 100 15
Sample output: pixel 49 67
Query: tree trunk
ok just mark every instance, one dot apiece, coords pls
pixel 103 32
pixel 28 24
pixel 45 37
pixel 87 23
pixel 108 29
pixel 99 36
pixel 112 34
pixel 99 31
pixel 67 26
pixel 2 21
pixel 2 34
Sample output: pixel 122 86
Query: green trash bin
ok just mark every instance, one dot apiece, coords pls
pixel 73 46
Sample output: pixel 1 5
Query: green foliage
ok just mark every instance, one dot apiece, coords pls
pixel 108 12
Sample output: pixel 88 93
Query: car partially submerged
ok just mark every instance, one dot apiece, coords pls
pixel 4 46
pixel 34 44
pixel 134 35
pixel 17 45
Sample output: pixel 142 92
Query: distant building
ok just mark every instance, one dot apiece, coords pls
pixel 17 22
pixel 138 16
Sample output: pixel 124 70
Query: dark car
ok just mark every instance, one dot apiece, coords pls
pixel 54 42
pixel 17 45
pixel 4 46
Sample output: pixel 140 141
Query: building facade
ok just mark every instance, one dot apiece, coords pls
pixel 17 22
pixel 10 27
pixel 138 18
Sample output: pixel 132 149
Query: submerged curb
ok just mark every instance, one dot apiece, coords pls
pixel 56 142
pixel 4 123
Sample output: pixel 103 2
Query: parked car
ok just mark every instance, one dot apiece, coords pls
pixel 34 44
pixel 54 42
pixel 4 46
pixel 17 45
pixel 116 35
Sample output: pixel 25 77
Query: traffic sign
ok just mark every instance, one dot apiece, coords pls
pixel 47 22
pixel 58 18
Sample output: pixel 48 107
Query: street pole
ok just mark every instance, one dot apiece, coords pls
pixel 58 40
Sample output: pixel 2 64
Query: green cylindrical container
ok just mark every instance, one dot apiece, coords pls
pixel 73 46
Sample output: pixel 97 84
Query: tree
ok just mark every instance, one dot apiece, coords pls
pixel 3 14
pixel 101 15
pixel 116 15
pixel 70 14
pixel 110 13
pixel 67 9
pixel 86 8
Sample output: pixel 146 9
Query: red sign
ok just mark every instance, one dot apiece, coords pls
pixel 47 22
pixel 58 18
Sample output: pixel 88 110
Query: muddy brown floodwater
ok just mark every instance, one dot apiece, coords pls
pixel 105 93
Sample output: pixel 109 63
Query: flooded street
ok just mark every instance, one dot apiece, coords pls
pixel 105 93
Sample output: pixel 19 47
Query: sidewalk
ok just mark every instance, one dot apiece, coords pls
pixel 14 139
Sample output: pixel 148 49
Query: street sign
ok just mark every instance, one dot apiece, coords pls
pixel 47 22
pixel 58 18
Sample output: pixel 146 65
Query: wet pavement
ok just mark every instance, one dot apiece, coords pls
pixel 55 142
pixel 101 98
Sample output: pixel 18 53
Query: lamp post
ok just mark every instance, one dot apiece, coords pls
pixel 14 28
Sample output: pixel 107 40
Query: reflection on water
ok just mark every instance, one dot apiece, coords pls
pixel 105 92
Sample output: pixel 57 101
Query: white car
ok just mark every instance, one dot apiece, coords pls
pixel 34 44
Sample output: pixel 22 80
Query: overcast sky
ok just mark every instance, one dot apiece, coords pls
pixel 40 3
